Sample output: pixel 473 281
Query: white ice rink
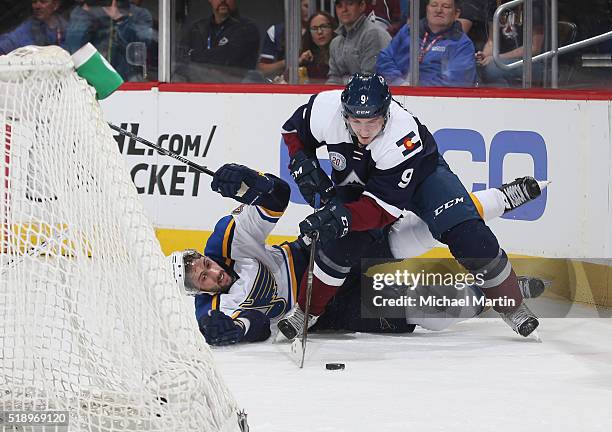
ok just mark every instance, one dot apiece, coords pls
pixel 476 376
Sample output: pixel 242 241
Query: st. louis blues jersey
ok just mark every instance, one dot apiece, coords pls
pixel 265 275
pixel 380 178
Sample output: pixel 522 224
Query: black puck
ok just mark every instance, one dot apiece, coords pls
pixel 334 366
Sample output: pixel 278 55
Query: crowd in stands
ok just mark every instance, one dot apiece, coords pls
pixel 374 36
pixel 446 54
pixel 455 49
pixel 110 25
pixel 46 26
pixel 222 47
pixel 455 40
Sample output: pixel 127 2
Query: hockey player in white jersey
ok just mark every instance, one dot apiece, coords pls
pixel 385 163
pixel 242 286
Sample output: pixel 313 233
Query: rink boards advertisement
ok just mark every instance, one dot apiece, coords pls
pixel 487 141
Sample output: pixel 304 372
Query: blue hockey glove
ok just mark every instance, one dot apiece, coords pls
pixel 332 221
pixel 219 329
pixel 259 325
pixel 230 178
pixel 311 179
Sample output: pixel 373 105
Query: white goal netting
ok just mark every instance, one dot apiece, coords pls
pixel 90 319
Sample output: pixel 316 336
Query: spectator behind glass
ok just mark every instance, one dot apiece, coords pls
pixel 315 46
pixel 110 29
pixel 272 58
pixel 387 12
pixel 220 48
pixel 511 45
pixel 446 54
pixel 44 27
pixel 358 42
pixel 474 20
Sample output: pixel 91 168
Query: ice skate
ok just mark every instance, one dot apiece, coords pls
pixel 531 287
pixel 522 190
pixel 292 324
pixel 522 321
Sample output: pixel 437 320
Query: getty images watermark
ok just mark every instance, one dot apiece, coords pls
pixel 429 288
pixel 441 287
pixel 435 292
pixel 444 293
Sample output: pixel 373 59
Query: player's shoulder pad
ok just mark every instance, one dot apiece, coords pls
pixel 325 112
pixel 220 241
pixel 400 142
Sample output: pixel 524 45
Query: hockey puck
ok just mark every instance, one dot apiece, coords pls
pixel 334 366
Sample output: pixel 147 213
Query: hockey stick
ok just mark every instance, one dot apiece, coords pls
pixel 163 151
pixel 295 345
pixel 308 296
pixel 200 168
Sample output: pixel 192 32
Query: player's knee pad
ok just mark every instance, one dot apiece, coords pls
pixel 472 243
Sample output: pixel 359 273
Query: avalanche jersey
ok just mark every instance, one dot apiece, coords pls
pixel 387 170
pixel 266 278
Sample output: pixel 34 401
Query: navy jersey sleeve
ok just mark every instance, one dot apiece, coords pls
pixel 205 303
pixel 296 132
pixel 278 199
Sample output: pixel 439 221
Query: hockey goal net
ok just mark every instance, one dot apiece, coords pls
pixel 91 321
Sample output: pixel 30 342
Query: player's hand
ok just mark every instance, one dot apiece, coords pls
pixel 219 329
pixel 331 222
pixel 241 183
pixel 311 179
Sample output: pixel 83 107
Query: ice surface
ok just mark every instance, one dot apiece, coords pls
pixel 476 376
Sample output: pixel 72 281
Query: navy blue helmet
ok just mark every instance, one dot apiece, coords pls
pixel 366 96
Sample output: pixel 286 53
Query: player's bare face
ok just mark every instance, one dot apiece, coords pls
pixel 366 130
pixel 208 276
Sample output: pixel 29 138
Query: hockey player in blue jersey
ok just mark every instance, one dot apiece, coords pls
pixel 242 286
pixel 385 162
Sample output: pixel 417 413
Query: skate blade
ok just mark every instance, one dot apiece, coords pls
pixel 543 184
pixel 280 338
pixel 535 336
pixel 296 351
